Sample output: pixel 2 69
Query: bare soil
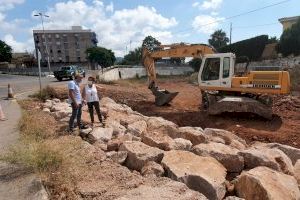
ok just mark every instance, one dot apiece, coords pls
pixel 185 110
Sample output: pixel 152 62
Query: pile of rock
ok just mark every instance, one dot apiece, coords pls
pixel 214 163
pixel 60 110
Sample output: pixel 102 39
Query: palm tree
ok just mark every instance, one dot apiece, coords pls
pixel 218 39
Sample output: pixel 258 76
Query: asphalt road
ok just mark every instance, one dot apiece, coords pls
pixel 24 85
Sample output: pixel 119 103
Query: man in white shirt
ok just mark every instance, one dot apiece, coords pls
pixel 76 101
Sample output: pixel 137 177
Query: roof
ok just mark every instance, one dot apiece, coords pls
pixel 286 19
pixel 62 31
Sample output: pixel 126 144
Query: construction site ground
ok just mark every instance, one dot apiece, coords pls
pixel 185 110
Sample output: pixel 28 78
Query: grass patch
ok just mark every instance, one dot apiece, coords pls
pixel 46 93
pixel 32 150
pixel 37 156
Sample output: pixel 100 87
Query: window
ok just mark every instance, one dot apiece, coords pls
pixel 211 70
pixel 226 67
pixel 78 59
pixel 57 35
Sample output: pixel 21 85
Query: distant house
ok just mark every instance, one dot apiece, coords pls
pixel 287 22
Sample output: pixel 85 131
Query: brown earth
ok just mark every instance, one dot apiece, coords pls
pixel 185 110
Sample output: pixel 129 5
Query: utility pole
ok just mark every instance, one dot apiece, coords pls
pixel 230 33
pixel 130 45
pixel 46 43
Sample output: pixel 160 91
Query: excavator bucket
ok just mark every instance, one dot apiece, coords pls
pixel 162 97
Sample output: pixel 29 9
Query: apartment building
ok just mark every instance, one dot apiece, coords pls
pixel 64 46
pixel 287 22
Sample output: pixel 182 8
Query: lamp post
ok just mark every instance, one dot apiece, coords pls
pixel 46 43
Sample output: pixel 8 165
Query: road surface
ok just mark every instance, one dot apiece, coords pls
pixel 24 85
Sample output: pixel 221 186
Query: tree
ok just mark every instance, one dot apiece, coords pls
pixel 252 48
pixel 133 57
pixel 151 43
pixel 290 40
pixel 102 56
pixel 5 52
pixel 218 39
pixel 195 64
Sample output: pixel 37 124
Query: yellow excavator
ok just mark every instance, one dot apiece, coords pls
pixel 222 89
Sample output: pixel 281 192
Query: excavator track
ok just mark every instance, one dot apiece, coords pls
pixel 216 105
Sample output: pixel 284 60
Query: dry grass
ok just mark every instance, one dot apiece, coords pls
pixel 46 93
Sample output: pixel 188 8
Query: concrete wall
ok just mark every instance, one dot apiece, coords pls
pixel 116 73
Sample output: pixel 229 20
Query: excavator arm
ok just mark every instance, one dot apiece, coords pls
pixel 163 97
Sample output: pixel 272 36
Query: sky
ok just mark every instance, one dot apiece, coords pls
pixel 121 25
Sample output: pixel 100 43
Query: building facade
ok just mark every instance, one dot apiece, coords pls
pixel 64 46
pixel 287 22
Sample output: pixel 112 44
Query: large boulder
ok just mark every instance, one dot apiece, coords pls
pixel 152 168
pixel 262 156
pixel 118 129
pixel 114 144
pixel 137 128
pixel 228 137
pixel 163 190
pixel 226 155
pixel 99 133
pixel 161 125
pixel 193 134
pixel 139 154
pixel 292 152
pixel 203 174
pixel 117 156
pixel 265 183
pixel 158 139
pixel 297 171
pixel 182 144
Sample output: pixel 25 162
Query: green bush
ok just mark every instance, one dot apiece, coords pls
pixel 290 40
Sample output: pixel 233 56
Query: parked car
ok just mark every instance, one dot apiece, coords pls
pixel 68 72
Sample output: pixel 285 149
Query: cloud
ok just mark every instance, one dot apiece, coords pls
pixel 18 46
pixel 208 4
pixel 9 4
pixel 114 30
pixel 110 7
pixel 206 24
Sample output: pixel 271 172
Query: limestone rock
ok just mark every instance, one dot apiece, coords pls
pixel 292 152
pixel 297 171
pixel 262 156
pixel 165 127
pixel 159 140
pixel 46 110
pixel 165 190
pixel 203 174
pixel 229 138
pixel 226 155
pixel 139 154
pixel 265 183
pixel 182 144
pixel 113 145
pixel 118 129
pixel 137 128
pixel 117 156
pixel 193 134
pixel 233 198
pixel 48 104
pixel 99 133
pixel 152 168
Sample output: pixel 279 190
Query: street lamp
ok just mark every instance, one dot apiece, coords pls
pixel 42 19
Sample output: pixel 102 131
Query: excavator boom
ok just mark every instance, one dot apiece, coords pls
pixel 163 97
